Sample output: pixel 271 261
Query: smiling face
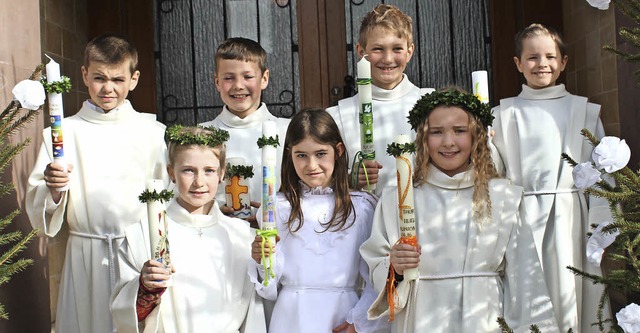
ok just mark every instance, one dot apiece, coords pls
pixel 109 84
pixel 240 84
pixel 388 55
pixel 196 172
pixel 540 61
pixel 449 139
pixel 314 162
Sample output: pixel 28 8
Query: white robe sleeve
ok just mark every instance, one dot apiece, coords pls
pixel 44 214
pixel 525 299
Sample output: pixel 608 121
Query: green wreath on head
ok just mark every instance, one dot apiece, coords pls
pixel 468 102
pixel 177 135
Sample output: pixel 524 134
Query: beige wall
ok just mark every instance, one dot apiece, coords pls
pixel 19 55
pixel 591 71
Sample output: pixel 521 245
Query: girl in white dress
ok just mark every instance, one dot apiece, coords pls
pixel 321 225
pixel 475 256
pixel 210 290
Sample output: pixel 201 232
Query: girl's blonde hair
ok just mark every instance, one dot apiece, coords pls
pixel 318 125
pixel 483 168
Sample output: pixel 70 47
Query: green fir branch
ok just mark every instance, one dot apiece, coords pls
pixel 270 141
pixel 18 124
pixel 243 171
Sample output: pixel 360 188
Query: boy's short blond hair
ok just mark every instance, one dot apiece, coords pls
pixel 243 49
pixel 389 18
pixel 111 49
pixel 537 29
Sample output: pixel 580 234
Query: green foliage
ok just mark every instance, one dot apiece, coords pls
pixel 56 87
pixel 396 149
pixel 468 102
pixel 163 196
pixel 270 141
pixel 243 171
pixel 12 119
pixel 186 136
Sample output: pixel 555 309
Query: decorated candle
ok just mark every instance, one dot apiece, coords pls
pixel 56 116
pixel 480 84
pixel 402 149
pixel 268 143
pixel 365 112
pixel 155 216
pixel 237 187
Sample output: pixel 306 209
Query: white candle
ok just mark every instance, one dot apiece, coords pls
pixel 366 111
pixel 269 158
pixel 480 84
pixel 155 209
pixel 56 116
pixel 406 214
pixel 237 191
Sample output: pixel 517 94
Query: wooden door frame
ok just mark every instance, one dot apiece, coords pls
pixel 322 52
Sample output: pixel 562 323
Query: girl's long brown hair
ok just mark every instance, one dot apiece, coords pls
pixel 320 126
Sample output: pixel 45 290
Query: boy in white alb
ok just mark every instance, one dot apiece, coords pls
pixel 532 130
pixel 111 151
pixel 240 77
pixel 210 290
pixel 386 39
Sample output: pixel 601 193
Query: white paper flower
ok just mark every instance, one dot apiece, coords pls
pixel 612 154
pixel 585 175
pixel 600 4
pixel 29 93
pixel 629 318
pixel 598 242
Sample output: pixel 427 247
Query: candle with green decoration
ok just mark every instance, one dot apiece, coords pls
pixel 268 143
pixel 363 81
pixel 236 188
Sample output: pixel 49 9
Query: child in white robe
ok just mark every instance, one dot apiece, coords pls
pixel 210 290
pixel 386 39
pixel 532 130
pixel 475 255
pixel 111 150
pixel 321 225
pixel 240 76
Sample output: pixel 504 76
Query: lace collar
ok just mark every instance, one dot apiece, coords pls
pixel 404 87
pixel 318 190
pixel 252 120
pixel 181 216
pixel 552 92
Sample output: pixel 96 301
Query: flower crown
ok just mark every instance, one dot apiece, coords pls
pixel 176 134
pixel 468 102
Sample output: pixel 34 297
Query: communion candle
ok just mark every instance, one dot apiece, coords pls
pixel 406 214
pixel 56 116
pixel 365 112
pixel 237 192
pixel 480 84
pixel 155 212
pixel 269 158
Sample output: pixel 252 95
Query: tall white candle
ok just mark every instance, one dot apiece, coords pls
pixel 366 111
pixel 56 116
pixel 480 84
pixel 269 158
pixel 406 214
pixel 155 209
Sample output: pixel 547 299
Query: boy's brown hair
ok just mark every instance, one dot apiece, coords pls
pixel 111 49
pixel 537 29
pixel 389 18
pixel 243 49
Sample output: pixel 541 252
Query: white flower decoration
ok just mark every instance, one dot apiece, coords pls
pixel 629 318
pixel 598 242
pixel 600 4
pixel 612 154
pixel 29 93
pixel 585 175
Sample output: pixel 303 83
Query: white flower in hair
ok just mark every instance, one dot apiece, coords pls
pixel 600 4
pixel 585 175
pixel 598 242
pixel 629 318
pixel 29 93
pixel 612 154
